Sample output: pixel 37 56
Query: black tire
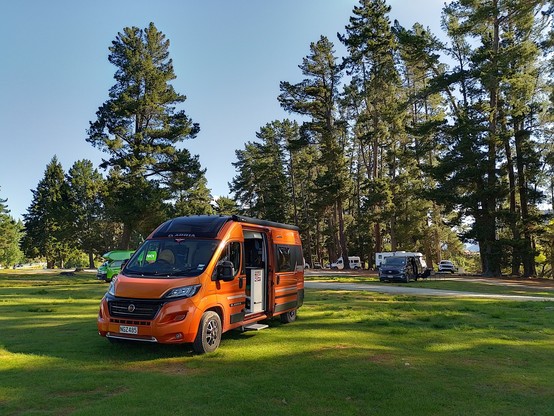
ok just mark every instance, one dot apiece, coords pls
pixel 288 317
pixel 209 333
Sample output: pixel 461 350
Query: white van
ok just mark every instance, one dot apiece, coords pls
pixel 355 263
pixel 380 257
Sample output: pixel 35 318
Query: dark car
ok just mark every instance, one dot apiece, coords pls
pixel 402 269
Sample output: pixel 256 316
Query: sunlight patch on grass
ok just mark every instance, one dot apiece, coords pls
pixel 11 361
pixel 449 347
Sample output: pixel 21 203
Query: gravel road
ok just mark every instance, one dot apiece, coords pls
pixel 408 290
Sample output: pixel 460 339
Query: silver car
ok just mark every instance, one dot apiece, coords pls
pixel 447 266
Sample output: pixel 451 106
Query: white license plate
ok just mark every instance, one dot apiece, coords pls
pixel 124 329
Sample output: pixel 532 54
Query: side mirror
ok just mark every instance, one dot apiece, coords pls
pixel 225 271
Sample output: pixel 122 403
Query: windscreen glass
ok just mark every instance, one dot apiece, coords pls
pixel 395 261
pixel 171 258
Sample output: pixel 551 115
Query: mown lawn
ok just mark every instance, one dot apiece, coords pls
pixel 347 354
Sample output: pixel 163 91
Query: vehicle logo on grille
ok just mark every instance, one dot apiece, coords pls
pixel 131 308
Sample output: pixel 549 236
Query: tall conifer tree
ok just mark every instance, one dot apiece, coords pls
pixel 49 217
pixel 139 126
pixel 317 98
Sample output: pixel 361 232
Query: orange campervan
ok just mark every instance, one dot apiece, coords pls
pixel 197 277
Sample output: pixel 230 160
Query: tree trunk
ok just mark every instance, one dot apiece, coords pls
pixel 91 260
pixel 516 235
pixel 126 236
pixel 342 236
pixel 528 255
pixel 490 250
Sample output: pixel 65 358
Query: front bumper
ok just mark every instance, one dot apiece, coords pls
pixel 392 276
pixel 171 322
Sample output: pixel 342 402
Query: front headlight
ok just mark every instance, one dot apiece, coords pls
pixel 111 289
pixel 183 292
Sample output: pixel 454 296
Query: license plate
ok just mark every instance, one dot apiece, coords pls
pixel 124 329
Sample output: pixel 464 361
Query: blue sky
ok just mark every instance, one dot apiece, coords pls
pixel 229 57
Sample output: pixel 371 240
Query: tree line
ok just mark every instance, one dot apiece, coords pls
pixel 414 142
pixel 409 142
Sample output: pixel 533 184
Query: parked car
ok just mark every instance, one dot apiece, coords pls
pixel 402 269
pixel 112 266
pixel 447 266
pixel 317 265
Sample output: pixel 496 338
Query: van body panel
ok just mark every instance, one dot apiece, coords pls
pixel 267 279
pixel 128 287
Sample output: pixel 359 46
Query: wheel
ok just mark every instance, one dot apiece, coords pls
pixel 288 317
pixel 209 333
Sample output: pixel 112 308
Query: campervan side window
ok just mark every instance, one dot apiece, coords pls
pixel 288 257
pixel 231 253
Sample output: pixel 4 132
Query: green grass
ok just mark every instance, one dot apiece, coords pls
pixel 348 353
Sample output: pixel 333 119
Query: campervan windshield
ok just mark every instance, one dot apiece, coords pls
pixel 394 261
pixel 167 258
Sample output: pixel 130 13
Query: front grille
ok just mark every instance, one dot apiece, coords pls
pixel 134 309
pixel 129 322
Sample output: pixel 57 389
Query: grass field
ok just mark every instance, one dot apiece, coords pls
pixel 347 354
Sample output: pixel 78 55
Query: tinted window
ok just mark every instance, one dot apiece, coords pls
pixel 395 261
pixel 288 258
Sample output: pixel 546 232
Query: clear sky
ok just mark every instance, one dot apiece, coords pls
pixel 229 57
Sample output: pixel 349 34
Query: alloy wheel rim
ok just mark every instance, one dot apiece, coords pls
pixel 211 332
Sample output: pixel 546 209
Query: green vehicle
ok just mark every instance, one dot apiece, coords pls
pixel 112 266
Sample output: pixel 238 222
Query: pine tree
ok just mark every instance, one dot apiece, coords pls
pixel 226 206
pixel 11 232
pixel 48 219
pixel 195 201
pixel 317 98
pixel 139 126
pixel 261 185
pixel 374 97
pixel 491 76
pixel 86 189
